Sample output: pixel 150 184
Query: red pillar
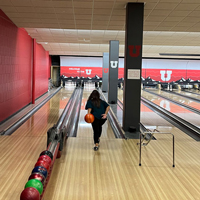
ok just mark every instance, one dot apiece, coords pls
pixel 49 71
pixel 34 69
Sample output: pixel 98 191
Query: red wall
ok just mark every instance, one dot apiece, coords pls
pixel 42 69
pixel 49 72
pixel 16 68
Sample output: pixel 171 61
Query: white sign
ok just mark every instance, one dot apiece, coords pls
pixel 164 73
pixel 133 73
pixel 113 64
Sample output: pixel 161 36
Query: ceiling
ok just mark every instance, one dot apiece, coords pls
pixel 84 27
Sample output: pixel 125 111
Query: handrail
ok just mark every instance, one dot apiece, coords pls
pixel 155 131
pixel 17 124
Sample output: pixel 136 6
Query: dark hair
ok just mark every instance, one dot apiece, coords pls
pixel 95 98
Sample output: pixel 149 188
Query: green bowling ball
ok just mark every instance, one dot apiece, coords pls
pixel 35 184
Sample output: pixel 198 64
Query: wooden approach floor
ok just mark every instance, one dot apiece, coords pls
pixel 111 173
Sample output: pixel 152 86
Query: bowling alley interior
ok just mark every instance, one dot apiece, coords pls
pixel 99 99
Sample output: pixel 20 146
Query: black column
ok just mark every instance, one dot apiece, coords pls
pixel 105 69
pixel 113 71
pixel 132 65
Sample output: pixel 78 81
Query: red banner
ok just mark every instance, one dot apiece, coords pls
pixel 169 75
pixel 86 71
pixel 163 75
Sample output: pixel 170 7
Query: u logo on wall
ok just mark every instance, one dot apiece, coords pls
pixel 88 71
pixel 132 50
pixel 105 70
pixel 165 75
pixel 113 64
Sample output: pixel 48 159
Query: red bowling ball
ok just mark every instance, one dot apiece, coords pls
pixel 30 193
pixel 37 176
pixel 45 158
pixel 43 163
pixel 89 118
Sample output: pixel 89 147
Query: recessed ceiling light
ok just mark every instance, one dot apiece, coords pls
pixel 46 42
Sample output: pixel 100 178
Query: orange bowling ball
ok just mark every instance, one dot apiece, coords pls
pixel 89 118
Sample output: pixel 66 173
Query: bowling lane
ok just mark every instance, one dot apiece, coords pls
pixel 193 91
pixel 177 110
pixel 180 99
pixel 148 118
pixel 111 172
pixel 187 94
pixel 24 111
pixel 85 129
pixel 47 116
pixel 20 151
pixel 151 120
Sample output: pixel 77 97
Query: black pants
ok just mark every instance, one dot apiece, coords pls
pixel 97 128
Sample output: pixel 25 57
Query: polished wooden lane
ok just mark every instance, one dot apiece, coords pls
pixel 45 117
pixel 113 171
pixel 20 151
pixel 180 99
pixel 24 111
pixel 110 173
pixel 174 108
pixel 194 95
pixel 152 120
pixel 147 116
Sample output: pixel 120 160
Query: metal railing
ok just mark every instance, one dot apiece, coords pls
pixel 155 131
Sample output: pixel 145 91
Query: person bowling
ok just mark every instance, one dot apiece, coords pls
pixel 99 109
